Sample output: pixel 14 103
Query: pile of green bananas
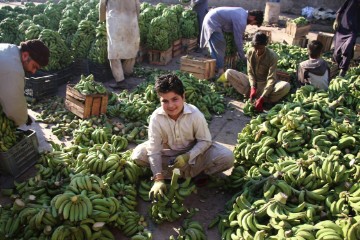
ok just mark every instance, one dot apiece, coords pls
pixel 33 31
pixel 296 168
pixel 98 51
pixel 300 21
pixel 231 48
pixel 8 30
pixel 170 207
pixel 67 29
pixel 82 39
pixel 60 56
pixel 190 230
pixel 188 24
pixel 88 86
pixel 7 132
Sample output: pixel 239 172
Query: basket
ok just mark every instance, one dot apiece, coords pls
pixel 40 85
pixel 101 72
pixel 65 75
pixel 21 156
pixel 81 67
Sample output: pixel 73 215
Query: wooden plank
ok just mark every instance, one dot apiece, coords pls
pixel 297 31
pixel 326 39
pixel 192 69
pixel 104 103
pixel 96 106
pixel 160 57
pixel 74 108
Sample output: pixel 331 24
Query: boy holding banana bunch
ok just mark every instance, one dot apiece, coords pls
pixel 179 131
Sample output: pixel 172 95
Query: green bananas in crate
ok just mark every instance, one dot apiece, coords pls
pixel 87 86
pixel 7 132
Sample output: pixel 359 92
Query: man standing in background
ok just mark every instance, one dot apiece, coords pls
pixel 123 36
pixel 201 8
pixel 346 26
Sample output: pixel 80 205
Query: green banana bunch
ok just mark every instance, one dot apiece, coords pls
pixel 87 86
pixel 8 134
pixel 191 230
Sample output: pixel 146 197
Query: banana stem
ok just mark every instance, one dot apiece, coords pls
pixel 174 184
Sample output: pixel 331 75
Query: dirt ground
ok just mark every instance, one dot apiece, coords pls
pixel 224 129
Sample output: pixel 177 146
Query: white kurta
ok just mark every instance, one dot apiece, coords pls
pixel 12 81
pixel 122 28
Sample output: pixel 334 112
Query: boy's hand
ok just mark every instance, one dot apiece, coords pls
pixel 181 160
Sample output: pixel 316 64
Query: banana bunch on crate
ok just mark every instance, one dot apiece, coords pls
pixel 190 230
pixel 87 86
pixel 170 207
pixel 7 132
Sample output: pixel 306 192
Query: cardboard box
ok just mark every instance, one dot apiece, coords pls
pixel 201 68
pixel 85 106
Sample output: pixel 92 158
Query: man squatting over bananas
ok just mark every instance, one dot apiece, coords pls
pixel 15 61
pixel 179 130
pixel 261 81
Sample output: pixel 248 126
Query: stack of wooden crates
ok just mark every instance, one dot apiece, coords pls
pixel 297 34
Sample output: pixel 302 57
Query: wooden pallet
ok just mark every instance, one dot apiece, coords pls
pixel 297 31
pixel 176 48
pixel 201 68
pixel 85 106
pixel 188 44
pixel 326 39
pixel 160 57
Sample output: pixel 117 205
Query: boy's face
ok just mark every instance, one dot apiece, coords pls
pixel 172 103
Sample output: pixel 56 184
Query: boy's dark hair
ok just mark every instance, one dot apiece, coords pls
pixel 169 83
pixel 259 38
pixel 315 48
pixel 259 16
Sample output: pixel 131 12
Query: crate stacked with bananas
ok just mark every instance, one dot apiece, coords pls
pixel 297 169
pixel 7 132
pixel 168 207
pixel 87 86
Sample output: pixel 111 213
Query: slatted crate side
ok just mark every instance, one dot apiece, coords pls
pixel 326 39
pixel 85 106
pixel 201 68
pixel 176 48
pixel 160 57
pixel 297 31
pixel 188 44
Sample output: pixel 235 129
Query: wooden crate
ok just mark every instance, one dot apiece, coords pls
pixel 142 54
pixel 283 76
pixel 300 41
pixel 297 31
pixel 188 44
pixel 176 48
pixel 230 61
pixel 326 39
pixel 357 51
pixel 85 106
pixel 201 68
pixel 160 57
